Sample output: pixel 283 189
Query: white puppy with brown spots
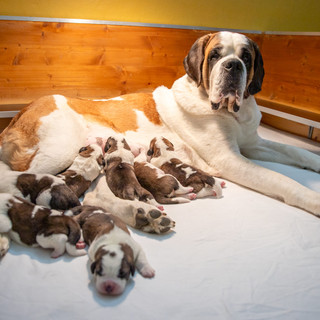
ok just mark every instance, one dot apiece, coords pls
pixel 113 252
pixel 163 156
pixel 120 174
pixel 164 187
pixel 61 192
pixel 33 225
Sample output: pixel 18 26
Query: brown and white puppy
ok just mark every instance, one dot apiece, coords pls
pixel 164 187
pixel 113 252
pixel 120 173
pixel 33 225
pixel 84 169
pixel 162 155
pixel 42 189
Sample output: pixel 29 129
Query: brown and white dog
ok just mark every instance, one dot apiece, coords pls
pixel 42 189
pixel 162 154
pixel 213 102
pixel 84 169
pixel 33 225
pixel 164 187
pixel 113 252
pixel 120 173
pixel 56 192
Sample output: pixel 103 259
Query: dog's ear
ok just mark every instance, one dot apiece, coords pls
pixel 256 83
pixel 101 161
pixel 83 149
pixel 93 266
pixel 194 60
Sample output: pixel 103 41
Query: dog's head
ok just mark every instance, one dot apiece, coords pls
pixel 159 146
pixel 112 268
pixel 117 147
pixel 228 66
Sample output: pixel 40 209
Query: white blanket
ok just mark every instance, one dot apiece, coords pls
pixel 245 256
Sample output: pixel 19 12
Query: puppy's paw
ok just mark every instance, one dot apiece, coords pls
pixel 147 271
pixel 150 219
pixel 4 244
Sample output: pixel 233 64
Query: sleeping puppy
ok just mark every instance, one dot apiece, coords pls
pixel 120 174
pixel 42 189
pixel 164 187
pixel 84 169
pixel 57 192
pixel 162 155
pixel 113 252
pixel 33 225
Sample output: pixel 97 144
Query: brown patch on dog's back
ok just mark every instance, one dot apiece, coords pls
pixel 23 222
pixel 118 114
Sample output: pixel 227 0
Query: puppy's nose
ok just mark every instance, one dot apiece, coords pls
pixel 232 65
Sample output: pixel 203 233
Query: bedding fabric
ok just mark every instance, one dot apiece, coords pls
pixel 245 256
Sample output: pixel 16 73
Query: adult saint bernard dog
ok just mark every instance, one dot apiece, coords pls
pixel 209 114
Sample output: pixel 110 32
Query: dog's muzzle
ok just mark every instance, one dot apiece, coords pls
pixel 231 88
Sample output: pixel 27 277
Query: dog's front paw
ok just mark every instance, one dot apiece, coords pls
pixel 147 271
pixel 150 219
pixel 4 244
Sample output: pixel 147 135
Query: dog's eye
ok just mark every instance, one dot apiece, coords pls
pixel 150 152
pixel 246 57
pixel 214 55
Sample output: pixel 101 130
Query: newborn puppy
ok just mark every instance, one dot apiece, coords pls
pixel 164 187
pixel 113 252
pixel 33 225
pixel 42 189
pixel 162 155
pixel 120 174
pixel 84 169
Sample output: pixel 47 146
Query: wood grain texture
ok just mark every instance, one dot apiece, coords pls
pixel 103 61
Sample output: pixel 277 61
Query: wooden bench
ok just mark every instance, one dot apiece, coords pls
pixel 102 61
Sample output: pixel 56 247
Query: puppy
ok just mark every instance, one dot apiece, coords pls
pixel 162 155
pixel 33 225
pixel 84 169
pixel 114 254
pixel 42 189
pixel 164 187
pixel 120 173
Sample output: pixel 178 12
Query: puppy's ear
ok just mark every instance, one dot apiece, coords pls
pixel 106 147
pixel 194 60
pixel 93 266
pixel 132 269
pixel 83 149
pixel 101 161
pixel 256 83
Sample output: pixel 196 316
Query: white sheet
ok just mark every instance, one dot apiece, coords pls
pixel 245 256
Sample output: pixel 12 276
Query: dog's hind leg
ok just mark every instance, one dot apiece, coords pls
pixel 266 150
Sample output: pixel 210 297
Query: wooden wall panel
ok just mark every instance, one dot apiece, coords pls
pixel 292 76
pixel 91 61
pixel 103 61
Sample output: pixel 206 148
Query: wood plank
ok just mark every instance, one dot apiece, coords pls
pixel 285 125
pixel 292 76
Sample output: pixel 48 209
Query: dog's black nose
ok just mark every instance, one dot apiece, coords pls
pixel 236 108
pixel 232 64
pixel 215 106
